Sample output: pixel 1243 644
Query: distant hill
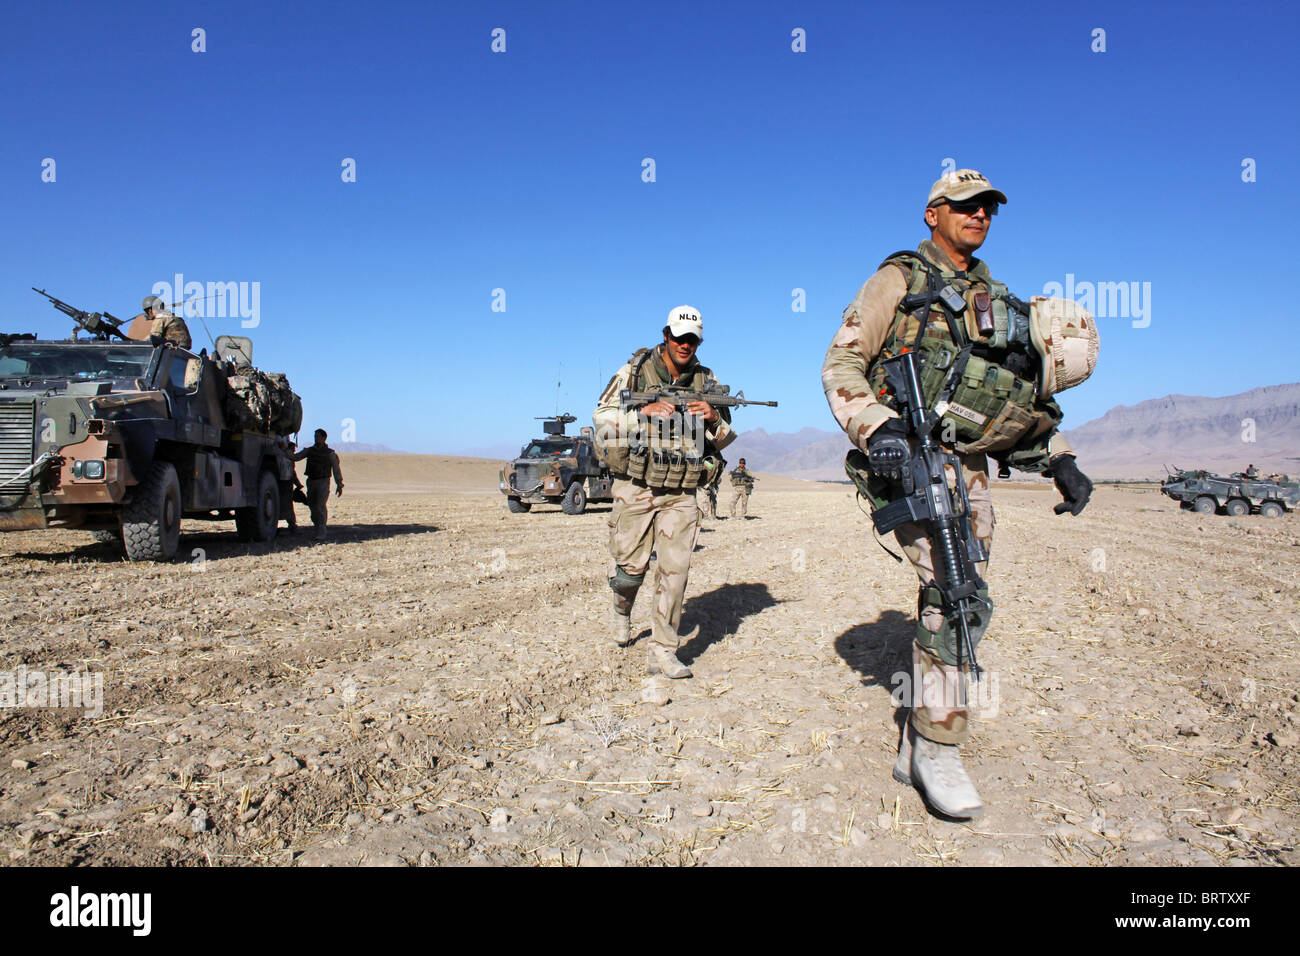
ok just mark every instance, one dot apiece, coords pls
pixel 1261 426
pixel 810 453
pixel 1224 434
pixel 354 447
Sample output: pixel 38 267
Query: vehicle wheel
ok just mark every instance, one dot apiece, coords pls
pixel 259 522
pixel 1271 509
pixel 575 499
pixel 518 507
pixel 1238 507
pixel 151 520
pixel 1185 505
pixel 1205 505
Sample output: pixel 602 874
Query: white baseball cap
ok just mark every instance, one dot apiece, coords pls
pixel 685 320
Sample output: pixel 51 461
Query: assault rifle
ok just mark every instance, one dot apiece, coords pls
pixel 100 324
pixel 927 500
pixel 680 396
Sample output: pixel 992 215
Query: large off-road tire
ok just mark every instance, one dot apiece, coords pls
pixel 259 522
pixel 1238 507
pixel 575 499
pixel 518 507
pixel 1205 505
pixel 1271 509
pixel 151 520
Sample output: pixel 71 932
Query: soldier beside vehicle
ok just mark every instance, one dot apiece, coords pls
pixel 322 461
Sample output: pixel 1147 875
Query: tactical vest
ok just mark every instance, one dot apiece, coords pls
pixel 979 368
pixel 663 457
pixel 320 462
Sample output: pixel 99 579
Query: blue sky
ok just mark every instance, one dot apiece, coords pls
pixel 522 171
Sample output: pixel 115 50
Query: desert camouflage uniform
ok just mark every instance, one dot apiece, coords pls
pixel 865 329
pixel 172 328
pixel 742 484
pixel 709 500
pixel 646 519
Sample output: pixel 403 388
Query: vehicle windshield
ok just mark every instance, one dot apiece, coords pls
pixel 548 449
pixel 74 362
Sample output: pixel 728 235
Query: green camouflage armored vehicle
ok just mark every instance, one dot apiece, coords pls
pixel 557 469
pixel 1207 493
pixel 125 437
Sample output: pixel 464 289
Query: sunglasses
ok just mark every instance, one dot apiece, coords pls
pixel 688 339
pixel 970 206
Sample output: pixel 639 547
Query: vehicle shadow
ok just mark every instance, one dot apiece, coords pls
pixel 217 545
pixel 719 613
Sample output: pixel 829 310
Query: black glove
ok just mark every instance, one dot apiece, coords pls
pixel 888 449
pixel 1073 484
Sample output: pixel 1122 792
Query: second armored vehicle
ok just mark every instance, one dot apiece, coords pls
pixel 1207 493
pixel 556 469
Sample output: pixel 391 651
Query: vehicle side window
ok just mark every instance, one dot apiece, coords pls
pixel 184 373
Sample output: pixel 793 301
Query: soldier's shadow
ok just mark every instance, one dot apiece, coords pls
pixel 719 613
pixel 881 652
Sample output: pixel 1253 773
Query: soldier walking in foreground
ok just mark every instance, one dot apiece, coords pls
pixel 742 485
pixel 171 327
pixel 659 457
pixel 989 365
pixel 321 463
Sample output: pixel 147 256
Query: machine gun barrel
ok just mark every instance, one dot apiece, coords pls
pixel 102 324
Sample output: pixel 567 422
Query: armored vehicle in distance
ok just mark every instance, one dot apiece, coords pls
pixel 556 469
pixel 1207 493
pixel 124 437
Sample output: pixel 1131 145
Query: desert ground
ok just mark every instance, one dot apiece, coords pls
pixel 434 685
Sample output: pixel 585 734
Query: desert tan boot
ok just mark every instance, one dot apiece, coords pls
pixel 663 661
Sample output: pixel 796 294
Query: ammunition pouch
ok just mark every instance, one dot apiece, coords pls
pixel 668 468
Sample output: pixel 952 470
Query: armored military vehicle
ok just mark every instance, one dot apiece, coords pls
pixel 556 469
pixel 124 437
pixel 1207 493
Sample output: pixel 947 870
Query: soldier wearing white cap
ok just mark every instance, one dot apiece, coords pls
pixel 990 365
pixel 659 458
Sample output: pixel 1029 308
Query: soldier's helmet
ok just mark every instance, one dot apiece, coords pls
pixel 152 302
pixel 1065 335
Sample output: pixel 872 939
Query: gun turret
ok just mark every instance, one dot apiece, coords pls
pixel 555 423
pixel 102 325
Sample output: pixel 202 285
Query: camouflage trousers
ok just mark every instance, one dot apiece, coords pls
pixel 937 686
pixel 666 524
pixel 709 502
pixel 741 499
pixel 318 497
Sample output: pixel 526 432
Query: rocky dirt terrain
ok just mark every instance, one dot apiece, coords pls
pixel 433 685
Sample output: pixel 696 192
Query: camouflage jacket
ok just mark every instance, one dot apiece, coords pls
pixel 610 420
pixel 867 325
pixel 741 478
pixel 172 328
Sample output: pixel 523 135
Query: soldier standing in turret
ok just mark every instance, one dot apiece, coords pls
pixel 171 327
pixel 321 462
